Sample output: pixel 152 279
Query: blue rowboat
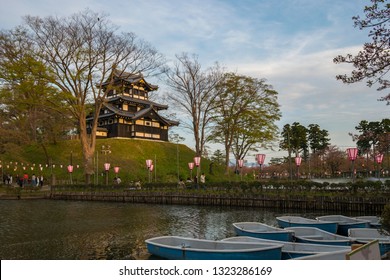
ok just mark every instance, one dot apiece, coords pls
pixel 318 236
pixel 344 223
pixel 292 250
pixel 260 230
pixel 373 220
pixel 182 248
pixel 297 221
pixel 365 235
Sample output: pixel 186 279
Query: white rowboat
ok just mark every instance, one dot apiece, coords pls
pixel 318 236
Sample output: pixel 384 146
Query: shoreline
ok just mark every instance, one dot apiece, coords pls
pixel 283 202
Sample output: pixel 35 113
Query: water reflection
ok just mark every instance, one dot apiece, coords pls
pixel 45 229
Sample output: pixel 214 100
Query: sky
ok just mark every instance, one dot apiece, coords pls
pixel 290 43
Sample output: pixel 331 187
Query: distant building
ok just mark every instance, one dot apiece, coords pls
pixel 127 111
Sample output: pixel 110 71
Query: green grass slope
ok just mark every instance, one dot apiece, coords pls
pixel 129 154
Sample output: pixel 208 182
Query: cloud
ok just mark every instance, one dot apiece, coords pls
pixel 309 92
pixel 291 43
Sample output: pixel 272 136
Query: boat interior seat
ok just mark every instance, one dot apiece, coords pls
pixel 319 237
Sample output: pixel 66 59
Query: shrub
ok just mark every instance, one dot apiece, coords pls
pixel 385 218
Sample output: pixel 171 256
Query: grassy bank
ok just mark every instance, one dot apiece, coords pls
pixel 170 161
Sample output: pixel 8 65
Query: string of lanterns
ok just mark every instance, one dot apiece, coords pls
pixel 26 167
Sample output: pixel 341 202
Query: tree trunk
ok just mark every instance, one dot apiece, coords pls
pixel 227 159
pixel 88 147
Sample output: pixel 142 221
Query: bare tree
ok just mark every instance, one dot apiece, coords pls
pixel 194 93
pixel 372 63
pixel 82 51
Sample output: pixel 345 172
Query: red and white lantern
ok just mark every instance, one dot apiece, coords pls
pixel 379 158
pixel 260 158
pixel 298 161
pixel 352 153
pixel 197 161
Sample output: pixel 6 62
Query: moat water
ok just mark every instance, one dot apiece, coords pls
pixel 72 230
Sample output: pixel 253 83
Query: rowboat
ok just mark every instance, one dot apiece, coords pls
pixel 373 220
pixel 297 221
pixel 344 223
pixel 182 248
pixel 336 255
pixel 259 230
pixel 292 250
pixel 365 235
pixel 318 236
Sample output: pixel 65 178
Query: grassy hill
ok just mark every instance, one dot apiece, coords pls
pixel 129 154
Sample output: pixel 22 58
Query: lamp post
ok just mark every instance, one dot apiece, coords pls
pixel 379 159
pixel 197 164
pixel 149 164
pixel 352 155
pixel 70 170
pixel 260 160
pixel 2 171
pixel 298 161
pixel 150 171
pixel 106 149
pixel 191 166
pixel 240 163
pixel 106 169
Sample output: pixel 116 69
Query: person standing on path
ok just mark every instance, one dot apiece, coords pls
pixel 203 180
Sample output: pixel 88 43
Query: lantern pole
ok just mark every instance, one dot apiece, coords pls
pixel 260 160
pixel 149 164
pixel 240 165
pixel 70 170
pixel 106 169
pixel 352 155
pixel 191 166
pixel 197 163
pixel 379 159
pixel 298 161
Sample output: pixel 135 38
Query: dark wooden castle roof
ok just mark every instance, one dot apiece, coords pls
pixel 131 78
